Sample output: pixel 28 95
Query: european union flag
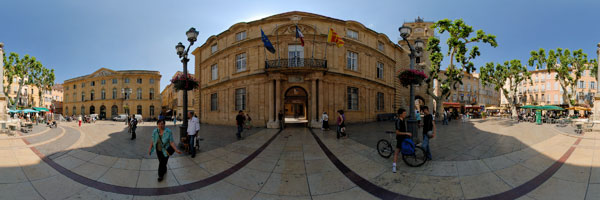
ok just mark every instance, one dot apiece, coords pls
pixel 266 41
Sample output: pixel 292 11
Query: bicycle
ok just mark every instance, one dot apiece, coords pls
pixel 385 150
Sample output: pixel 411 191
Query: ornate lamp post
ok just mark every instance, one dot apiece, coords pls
pixel 182 52
pixel 415 51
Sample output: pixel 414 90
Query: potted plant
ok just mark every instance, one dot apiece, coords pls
pixel 411 77
pixel 182 82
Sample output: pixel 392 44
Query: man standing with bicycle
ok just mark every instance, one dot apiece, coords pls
pixel 428 130
pixel 401 134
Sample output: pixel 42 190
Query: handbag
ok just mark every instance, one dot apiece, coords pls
pixel 170 150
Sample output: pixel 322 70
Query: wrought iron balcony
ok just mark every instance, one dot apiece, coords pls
pixel 296 64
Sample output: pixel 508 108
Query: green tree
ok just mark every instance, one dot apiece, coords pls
pixel 569 67
pixel 20 68
pixel 43 80
pixel 509 74
pixel 461 52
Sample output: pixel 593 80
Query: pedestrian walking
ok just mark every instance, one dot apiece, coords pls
pixel 428 130
pixel 174 120
pixel 79 120
pixel 325 120
pixel 281 120
pixel 133 123
pixel 248 121
pixel 445 121
pixel 192 131
pixel 164 145
pixel 341 123
pixel 401 134
pixel 240 118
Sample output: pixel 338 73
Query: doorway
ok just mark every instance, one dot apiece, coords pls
pixel 295 105
pixel 102 112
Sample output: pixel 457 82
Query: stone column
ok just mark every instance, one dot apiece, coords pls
pixel 3 102
pixel 277 99
pixel 321 106
pixel 272 123
pixel 313 104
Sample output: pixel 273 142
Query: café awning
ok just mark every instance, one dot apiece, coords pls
pixel 41 109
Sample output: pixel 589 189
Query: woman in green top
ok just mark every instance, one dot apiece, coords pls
pixel 161 139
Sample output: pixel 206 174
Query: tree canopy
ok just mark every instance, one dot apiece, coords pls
pixel 511 74
pixel 461 52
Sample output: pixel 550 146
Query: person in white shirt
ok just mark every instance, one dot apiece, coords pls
pixel 325 120
pixel 192 131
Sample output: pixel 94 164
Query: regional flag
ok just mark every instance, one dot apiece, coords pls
pixel 266 41
pixel 299 35
pixel 334 38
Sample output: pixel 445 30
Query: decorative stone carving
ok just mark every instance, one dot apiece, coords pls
pixel 103 73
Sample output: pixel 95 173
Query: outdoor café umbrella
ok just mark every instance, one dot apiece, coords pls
pixel 549 107
pixel 530 107
pixel 29 111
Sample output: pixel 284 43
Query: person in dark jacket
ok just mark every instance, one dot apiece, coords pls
pixel 240 119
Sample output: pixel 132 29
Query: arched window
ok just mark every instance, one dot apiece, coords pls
pixel 82 110
pixel 151 93
pixel 139 109
pixel 114 93
pixel 139 93
pixel 103 94
pixel 92 95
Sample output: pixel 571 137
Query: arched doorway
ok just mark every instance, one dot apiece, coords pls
pixel 295 105
pixel 114 111
pixel 102 112
pixel 92 110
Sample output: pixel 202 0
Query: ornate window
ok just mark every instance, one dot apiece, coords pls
pixel 139 93
pixel 214 71
pixel 151 93
pixel 379 70
pixel 240 36
pixel 103 94
pixel 380 102
pixel 352 98
pixel 240 99
pixel 352 34
pixel 114 95
pixel 214 102
pixel 240 62
pixel 352 61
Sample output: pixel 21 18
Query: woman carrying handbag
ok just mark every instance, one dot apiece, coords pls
pixel 162 142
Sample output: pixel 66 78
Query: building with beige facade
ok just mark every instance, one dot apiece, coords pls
pixel 544 89
pixel 237 73
pixel 471 93
pixel 172 100
pixel 109 92
pixel 30 96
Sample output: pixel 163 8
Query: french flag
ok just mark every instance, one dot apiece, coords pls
pixel 299 35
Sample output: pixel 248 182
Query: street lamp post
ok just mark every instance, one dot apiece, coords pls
pixel 415 51
pixel 182 52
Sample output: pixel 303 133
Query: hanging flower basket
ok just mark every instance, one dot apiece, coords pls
pixel 182 82
pixel 411 77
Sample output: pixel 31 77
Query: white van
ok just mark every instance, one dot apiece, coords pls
pixel 120 117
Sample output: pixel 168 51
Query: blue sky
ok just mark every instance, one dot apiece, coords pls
pixel 78 37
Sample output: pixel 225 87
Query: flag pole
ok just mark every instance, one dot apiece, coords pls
pixel 326 42
pixel 265 48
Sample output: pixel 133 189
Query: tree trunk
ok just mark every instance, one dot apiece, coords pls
pixel 14 105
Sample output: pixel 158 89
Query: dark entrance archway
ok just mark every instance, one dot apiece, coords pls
pixel 295 105
pixel 102 112
pixel 92 110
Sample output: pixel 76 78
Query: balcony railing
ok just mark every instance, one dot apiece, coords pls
pixel 296 63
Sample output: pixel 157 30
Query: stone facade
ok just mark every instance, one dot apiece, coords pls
pixel 470 92
pixel 237 73
pixel 108 93
pixel 544 89
pixel 173 99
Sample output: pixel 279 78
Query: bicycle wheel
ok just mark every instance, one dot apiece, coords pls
pixel 384 148
pixel 417 159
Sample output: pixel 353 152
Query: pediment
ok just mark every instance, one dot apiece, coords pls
pixel 102 72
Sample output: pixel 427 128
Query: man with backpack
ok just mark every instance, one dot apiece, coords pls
pixel 428 130
pixel 401 134
pixel 133 125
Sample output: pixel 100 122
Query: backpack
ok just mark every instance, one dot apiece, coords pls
pixel 408 147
